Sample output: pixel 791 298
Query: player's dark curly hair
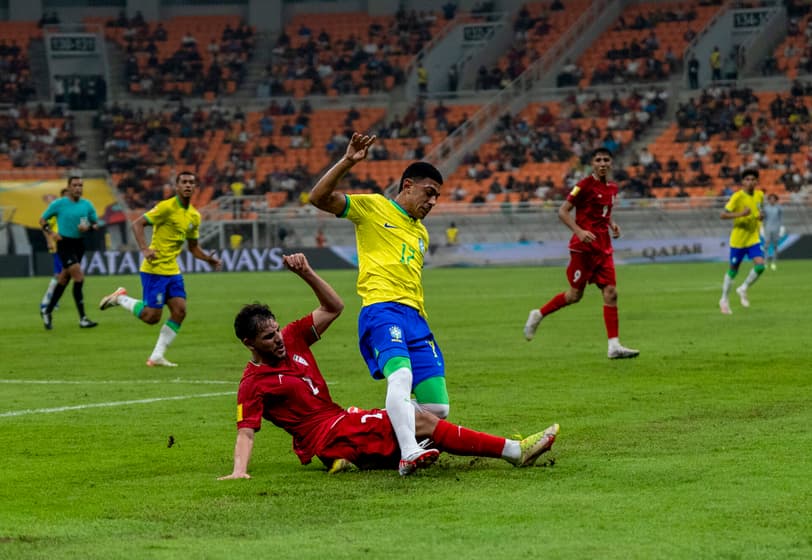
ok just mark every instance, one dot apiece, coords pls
pixel 249 319
pixel 421 170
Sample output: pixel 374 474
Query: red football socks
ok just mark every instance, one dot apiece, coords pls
pixel 462 441
pixel 554 304
pixel 610 319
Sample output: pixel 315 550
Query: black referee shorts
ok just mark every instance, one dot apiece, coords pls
pixel 70 251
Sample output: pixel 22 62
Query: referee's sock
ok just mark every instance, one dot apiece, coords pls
pixel 58 291
pixel 79 297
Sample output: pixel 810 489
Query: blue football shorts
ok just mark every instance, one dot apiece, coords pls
pixel 390 330
pixel 158 288
pixel 738 254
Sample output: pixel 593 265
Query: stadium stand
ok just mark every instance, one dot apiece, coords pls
pixel 348 53
pixel 540 152
pixel 647 42
pixel 38 139
pixel 234 152
pixel 536 28
pixel 184 55
pixel 16 84
pixel 411 136
pixel 793 56
pixel 724 131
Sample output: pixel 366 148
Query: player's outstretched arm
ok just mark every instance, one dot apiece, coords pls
pixel 199 253
pixel 323 195
pixel 242 454
pixel 330 303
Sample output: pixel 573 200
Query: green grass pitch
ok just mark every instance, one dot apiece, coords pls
pixel 700 448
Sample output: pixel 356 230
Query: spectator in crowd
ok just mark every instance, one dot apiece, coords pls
pixel 715 62
pixel 693 72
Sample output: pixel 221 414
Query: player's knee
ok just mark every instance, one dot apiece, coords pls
pixel 149 316
pixel 178 315
pixel 610 295
pixel 439 410
pixel 574 296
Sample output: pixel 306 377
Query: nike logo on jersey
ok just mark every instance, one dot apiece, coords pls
pixel 387 225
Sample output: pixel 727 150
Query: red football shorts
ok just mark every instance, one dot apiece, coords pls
pixel 592 268
pixel 363 437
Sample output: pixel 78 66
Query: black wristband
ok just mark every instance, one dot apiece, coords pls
pixel 46 228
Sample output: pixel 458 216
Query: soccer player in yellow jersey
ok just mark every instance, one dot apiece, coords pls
pixel 745 209
pixel 51 243
pixel 174 221
pixel 393 335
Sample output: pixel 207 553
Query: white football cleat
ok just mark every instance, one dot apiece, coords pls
pixel 533 321
pixel 742 291
pixel 418 460
pixel 161 361
pixel 724 307
pixel 620 352
pixel 112 299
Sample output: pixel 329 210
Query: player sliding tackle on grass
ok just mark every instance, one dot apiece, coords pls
pixel 283 384
pixel 393 334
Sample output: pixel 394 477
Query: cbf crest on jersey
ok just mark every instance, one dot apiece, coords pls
pixel 396 333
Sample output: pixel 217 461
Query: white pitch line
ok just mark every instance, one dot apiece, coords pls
pixel 117 382
pixel 109 404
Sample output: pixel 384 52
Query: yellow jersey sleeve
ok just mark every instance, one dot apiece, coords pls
pixel 159 212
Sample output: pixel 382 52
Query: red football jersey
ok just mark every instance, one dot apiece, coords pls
pixel 593 200
pixel 293 395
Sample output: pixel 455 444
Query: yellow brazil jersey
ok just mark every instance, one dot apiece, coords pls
pixel 745 229
pixel 391 246
pixel 172 225
pixel 54 228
